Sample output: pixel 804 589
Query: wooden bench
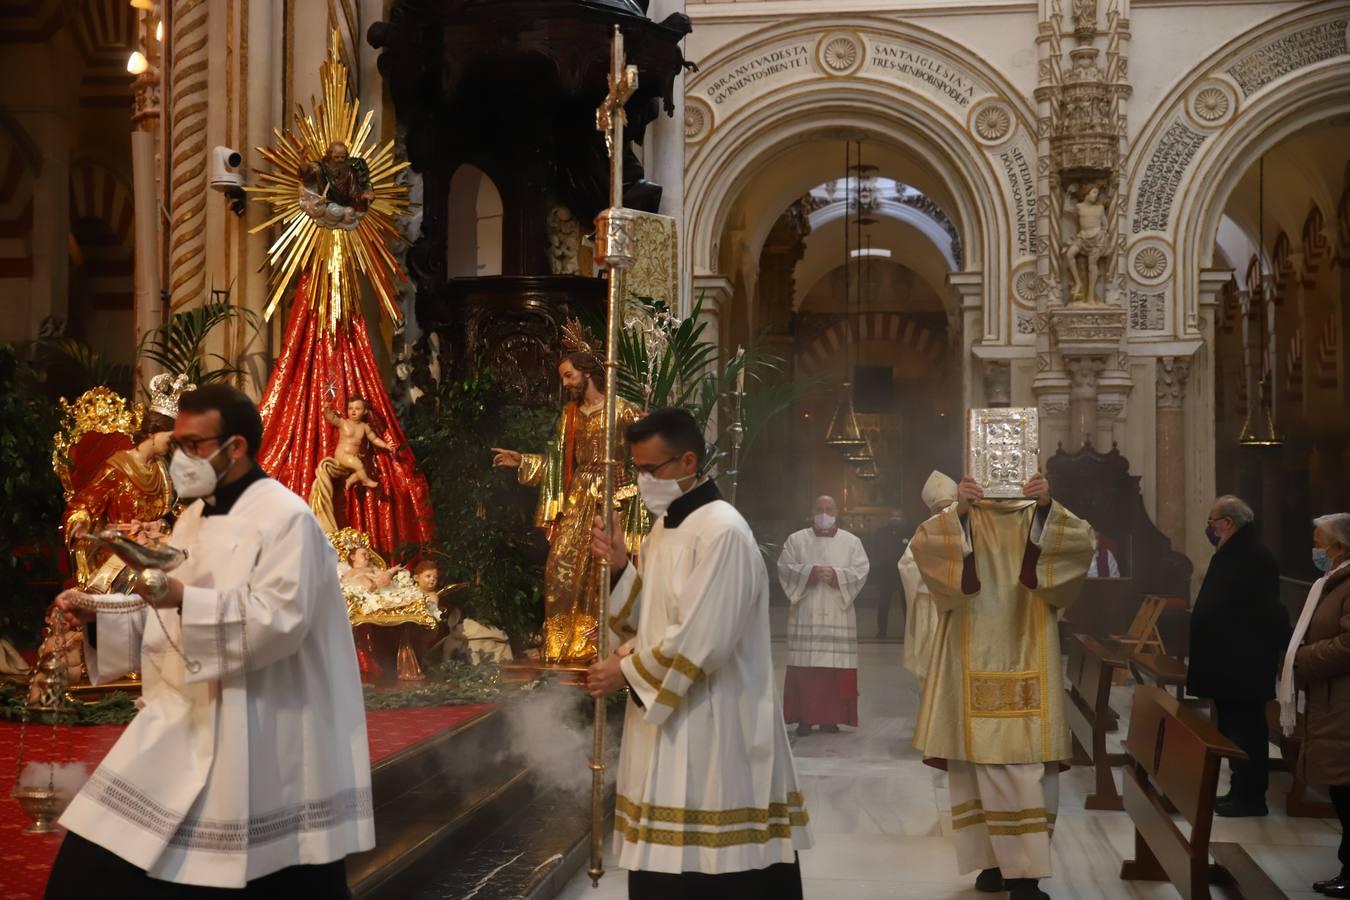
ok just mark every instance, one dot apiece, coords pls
pixel 1297 803
pixel 1160 670
pixel 1143 632
pixel 1175 755
pixel 1092 668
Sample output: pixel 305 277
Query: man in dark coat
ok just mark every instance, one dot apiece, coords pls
pixel 1239 630
pixel 888 545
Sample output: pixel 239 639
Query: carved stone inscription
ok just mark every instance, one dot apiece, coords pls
pixel 1147 311
pixel 1162 176
pixel 780 63
pixel 1288 54
pixel 914 64
pixel 1017 168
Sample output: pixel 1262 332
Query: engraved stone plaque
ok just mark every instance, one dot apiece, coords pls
pixel 1002 449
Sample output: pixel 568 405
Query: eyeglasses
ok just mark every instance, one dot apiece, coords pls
pixel 191 444
pixel 652 470
pixel 1216 521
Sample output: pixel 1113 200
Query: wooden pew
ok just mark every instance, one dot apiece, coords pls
pixel 1091 672
pixel 1175 754
pixel 1297 803
pixel 1160 670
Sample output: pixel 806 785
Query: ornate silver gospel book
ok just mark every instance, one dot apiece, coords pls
pixel 1002 449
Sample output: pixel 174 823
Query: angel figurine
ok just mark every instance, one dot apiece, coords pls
pixel 336 190
pixel 352 432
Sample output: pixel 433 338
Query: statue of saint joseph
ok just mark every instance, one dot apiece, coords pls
pixel 570 477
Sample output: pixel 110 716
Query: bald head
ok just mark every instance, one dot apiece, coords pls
pixel 825 504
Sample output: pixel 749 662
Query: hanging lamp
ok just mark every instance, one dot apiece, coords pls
pixel 867 470
pixel 1258 429
pixel 843 433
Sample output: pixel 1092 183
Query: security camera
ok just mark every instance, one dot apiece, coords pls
pixel 225 176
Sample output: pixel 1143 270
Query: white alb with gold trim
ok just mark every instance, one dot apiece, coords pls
pixel 258 760
pixel 706 781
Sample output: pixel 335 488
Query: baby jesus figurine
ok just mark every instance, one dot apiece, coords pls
pixel 364 575
pixel 352 431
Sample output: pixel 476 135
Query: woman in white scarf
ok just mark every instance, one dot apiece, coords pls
pixel 1318 661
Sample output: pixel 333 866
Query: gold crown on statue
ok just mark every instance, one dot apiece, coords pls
pixel 348 540
pixel 576 338
pixel 165 389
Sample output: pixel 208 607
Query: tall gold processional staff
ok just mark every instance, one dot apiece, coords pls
pixel 614 251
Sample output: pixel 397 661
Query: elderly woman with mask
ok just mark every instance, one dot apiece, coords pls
pixel 1318 660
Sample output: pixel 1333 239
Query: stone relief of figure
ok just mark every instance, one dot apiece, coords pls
pixel 1089 242
pixel 564 242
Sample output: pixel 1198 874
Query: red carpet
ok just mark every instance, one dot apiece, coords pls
pixel 25 859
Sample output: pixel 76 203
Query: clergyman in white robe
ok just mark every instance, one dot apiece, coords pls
pixel 822 569
pixel 921 617
pixel 257 760
pixel 706 781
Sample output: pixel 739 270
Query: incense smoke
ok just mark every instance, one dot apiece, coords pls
pixel 549 730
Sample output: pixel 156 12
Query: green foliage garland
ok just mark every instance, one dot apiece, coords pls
pixel 484 521
pixel 30 507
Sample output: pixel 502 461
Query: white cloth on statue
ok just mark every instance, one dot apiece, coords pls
pixel 706 781
pixel 1003 816
pixel 258 760
pixel 486 643
pixel 822 622
pixel 921 618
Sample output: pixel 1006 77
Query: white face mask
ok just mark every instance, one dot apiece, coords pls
pixel 194 476
pixel 823 521
pixel 658 493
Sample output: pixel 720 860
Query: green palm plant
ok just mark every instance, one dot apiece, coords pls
pixel 666 361
pixel 179 345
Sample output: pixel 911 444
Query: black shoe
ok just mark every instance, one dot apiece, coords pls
pixel 1333 887
pixel 830 729
pixel 1240 809
pixel 1025 889
pixel 989 881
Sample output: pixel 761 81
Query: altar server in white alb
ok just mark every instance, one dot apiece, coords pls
pixel 248 767
pixel 921 616
pixel 708 802
pixel 822 569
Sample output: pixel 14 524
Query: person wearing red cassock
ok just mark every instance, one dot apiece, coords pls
pixel 822 569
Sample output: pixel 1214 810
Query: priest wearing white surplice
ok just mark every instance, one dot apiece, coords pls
pixel 822 569
pixel 921 618
pixel 1000 572
pixel 247 769
pixel 708 803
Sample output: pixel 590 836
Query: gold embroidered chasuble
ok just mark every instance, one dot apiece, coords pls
pixel 994 692
pixel 570 477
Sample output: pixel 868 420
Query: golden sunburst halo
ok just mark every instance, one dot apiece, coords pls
pixel 334 256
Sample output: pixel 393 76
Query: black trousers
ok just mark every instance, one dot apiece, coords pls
pixel 1244 723
pixel 84 870
pixel 1340 798
pixel 782 881
pixel 888 588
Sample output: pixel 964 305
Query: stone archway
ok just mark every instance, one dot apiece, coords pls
pixel 895 84
pixel 1286 74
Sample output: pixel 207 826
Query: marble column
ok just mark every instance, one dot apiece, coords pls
pixel 1170 473
pixel 997 382
pixel 1083 374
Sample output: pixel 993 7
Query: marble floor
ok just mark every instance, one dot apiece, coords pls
pixel 881 819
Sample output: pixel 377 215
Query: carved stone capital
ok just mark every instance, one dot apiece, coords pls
pixel 997 382
pixel 1083 374
pixel 1173 371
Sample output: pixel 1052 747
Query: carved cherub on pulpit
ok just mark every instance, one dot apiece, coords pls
pixel 336 190
pixel 1090 243
pixel 353 432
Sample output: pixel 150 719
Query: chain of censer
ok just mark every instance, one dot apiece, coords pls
pixel 124 606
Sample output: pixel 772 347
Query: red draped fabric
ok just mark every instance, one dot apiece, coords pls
pixel 318 371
